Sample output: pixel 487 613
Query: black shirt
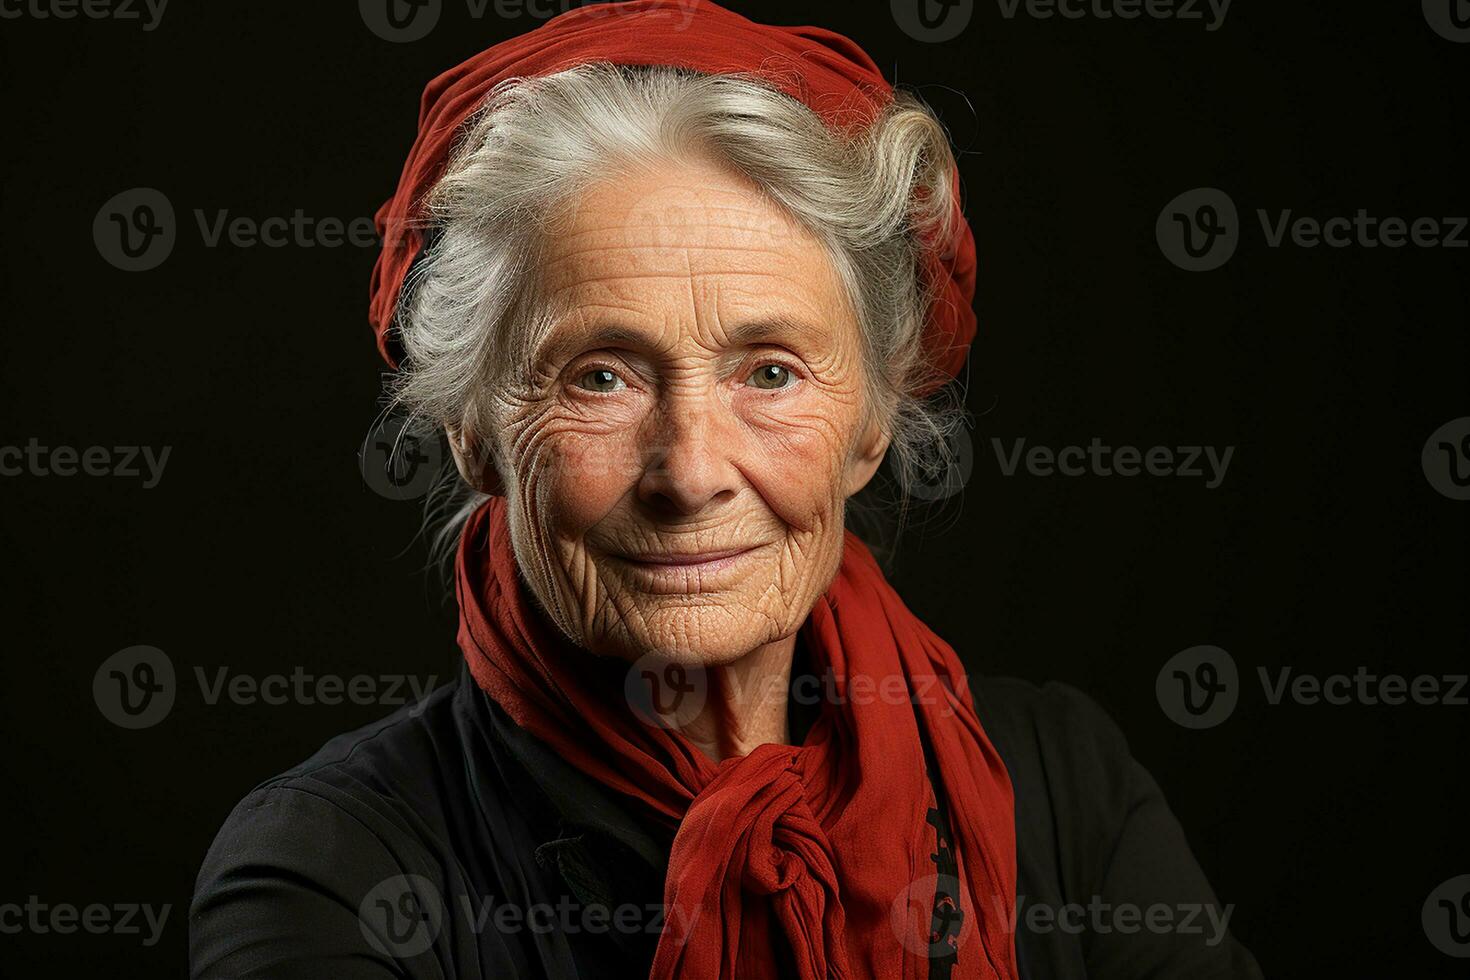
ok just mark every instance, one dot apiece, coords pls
pixel 445 841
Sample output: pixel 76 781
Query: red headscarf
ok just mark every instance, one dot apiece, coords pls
pixel 826 71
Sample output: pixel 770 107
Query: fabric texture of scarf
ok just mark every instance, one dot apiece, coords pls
pixel 831 844
pixel 826 71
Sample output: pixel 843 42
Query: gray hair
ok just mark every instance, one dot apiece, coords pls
pixel 471 317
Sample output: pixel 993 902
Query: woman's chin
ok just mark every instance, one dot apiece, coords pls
pixel 692 636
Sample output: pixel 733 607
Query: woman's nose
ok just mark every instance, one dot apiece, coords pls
pixel 689 456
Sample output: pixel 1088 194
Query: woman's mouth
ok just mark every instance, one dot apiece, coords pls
pixel 675 573
pixel 707 559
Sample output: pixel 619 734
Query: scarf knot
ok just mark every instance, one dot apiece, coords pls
pixel 760 798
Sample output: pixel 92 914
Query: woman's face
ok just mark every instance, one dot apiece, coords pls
pixel 677 473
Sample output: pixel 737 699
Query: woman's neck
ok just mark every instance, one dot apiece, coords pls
pixel 746 705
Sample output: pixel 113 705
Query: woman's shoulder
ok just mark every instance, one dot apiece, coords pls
pixel 1055 727
pixel 1070 764
pixel 1095 837
pixel 370 809
pixel 383 760
pixel 1013 699
pixel 378 776
pixel 1053 716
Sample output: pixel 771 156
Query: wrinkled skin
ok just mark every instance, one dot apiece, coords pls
pixel 728 414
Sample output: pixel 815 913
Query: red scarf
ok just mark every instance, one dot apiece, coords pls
pixel 826 71
pixel 828 844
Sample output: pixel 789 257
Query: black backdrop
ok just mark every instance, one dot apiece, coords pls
pixel 1327 547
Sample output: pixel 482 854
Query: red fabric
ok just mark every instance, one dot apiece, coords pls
pixel 826 71
pixel 817 843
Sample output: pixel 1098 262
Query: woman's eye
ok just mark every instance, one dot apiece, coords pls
pixel 600 379
pixel 771 377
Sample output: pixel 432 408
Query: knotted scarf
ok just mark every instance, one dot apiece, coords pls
pixel 823 859
pixel 826 71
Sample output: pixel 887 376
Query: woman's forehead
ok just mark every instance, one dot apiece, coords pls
pixel 679 220
pixel 683 252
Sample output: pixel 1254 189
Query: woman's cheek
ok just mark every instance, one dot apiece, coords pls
pixel 586 474
pixel 795 466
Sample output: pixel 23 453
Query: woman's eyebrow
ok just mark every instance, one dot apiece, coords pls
pixel 775 329
pixel 570 341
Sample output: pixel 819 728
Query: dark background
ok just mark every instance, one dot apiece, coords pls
pixel 263 550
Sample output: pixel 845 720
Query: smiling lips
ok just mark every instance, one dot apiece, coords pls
pixel 685 574
pixel 692 559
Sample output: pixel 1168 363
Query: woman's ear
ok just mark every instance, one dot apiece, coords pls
pixel 866 457
pixel 475 461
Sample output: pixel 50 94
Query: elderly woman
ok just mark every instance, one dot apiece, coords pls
pixel 674 284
